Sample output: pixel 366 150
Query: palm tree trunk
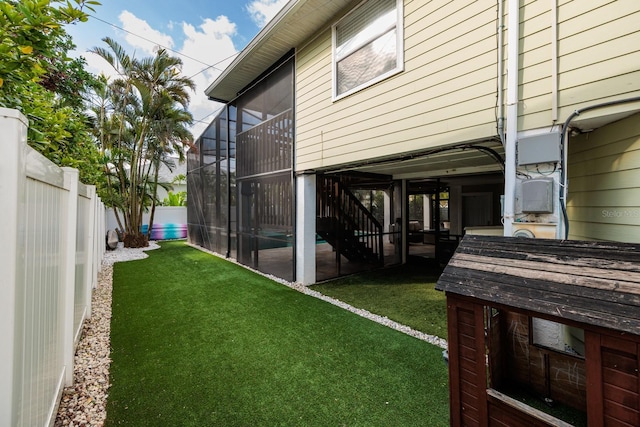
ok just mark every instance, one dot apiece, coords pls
pixel 153 199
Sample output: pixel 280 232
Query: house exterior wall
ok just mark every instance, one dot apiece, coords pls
pixel 598 57
pixel 604 177
pixel 446 94
pixel 447 91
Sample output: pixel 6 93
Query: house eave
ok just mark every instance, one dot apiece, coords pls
pixel 296 22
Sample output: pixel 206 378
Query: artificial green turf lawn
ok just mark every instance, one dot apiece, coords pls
pixel 198 341
pixel 405 294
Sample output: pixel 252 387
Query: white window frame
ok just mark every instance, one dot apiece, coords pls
pixel 399 52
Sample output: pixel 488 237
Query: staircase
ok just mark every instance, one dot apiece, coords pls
pixel 346 224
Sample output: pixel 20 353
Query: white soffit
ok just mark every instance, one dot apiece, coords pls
pixel 296 22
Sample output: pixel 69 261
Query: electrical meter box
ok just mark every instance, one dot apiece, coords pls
pixel 537 195
pixel 543 148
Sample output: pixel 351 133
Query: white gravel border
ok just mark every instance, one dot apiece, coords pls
pixel 85 402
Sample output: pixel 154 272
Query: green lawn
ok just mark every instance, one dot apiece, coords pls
pixel 198 341
pixel 405 294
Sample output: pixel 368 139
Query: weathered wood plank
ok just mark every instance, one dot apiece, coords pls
pixel 585 261
pixel 497 397
pixel 625 282
pixel 592 282
pixel 620 394
pixel 480 280
pixel 556 245
pixel 569 249
pixel 540 304
pixel 516 295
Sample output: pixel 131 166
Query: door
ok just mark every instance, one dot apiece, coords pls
pixel 477 209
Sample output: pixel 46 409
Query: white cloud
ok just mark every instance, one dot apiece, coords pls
pixel 211 43
pixel 97 65
pixel 141 28
pixel 262 11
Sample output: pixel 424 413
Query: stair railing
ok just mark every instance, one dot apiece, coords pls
pixel 335 200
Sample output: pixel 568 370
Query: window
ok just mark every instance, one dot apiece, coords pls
pixel 559 337
pixel 367 46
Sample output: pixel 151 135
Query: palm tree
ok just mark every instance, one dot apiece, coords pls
pixel 148 120
pixel 171 136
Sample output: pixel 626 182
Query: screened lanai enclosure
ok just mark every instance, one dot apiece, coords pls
pixel 240 177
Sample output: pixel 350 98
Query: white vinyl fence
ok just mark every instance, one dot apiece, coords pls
pixel 52 231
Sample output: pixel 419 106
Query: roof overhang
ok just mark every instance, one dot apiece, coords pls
pixel 589 282
pixel 298 21
pixel 593 120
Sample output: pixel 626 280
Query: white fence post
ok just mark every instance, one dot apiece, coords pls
pixel 69 258
pixel 90 259
pixel 13 128
pixel 100 226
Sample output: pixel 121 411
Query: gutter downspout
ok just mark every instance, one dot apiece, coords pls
pixel 500 100
pixel 512 115
pixel 554 61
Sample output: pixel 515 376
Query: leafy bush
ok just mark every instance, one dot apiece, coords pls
pixel 175 199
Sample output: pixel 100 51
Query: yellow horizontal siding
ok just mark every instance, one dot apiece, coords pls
pixel 535 119
pixel 536 56
pixel 447 91
pixel 626 46
pixel 618 214
pixel 535 85
pixel 599 71
pixel 598 56
pixel 600 154
pixel 613 88
pixel 534 105
pixel 360 131
pixel 604 182
pixel 447 135
pixel 599 231
pixel 625 179
pixel 451 51
pixel 624 130
pixel 604 199
pixel 432 19
pixel 581 16
pixel 393 117
pixel 446 88
pixel 576 41
pixel 536 72
pixel 611 163
pixel 599 52
pixel 535 18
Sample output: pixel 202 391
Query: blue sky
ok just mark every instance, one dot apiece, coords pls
pixel 202 33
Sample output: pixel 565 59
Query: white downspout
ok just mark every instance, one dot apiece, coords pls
pixel 500 98
pixel 554 61
pixel 513 39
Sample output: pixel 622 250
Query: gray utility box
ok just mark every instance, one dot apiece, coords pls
pixel 543 148
pixel 537 195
